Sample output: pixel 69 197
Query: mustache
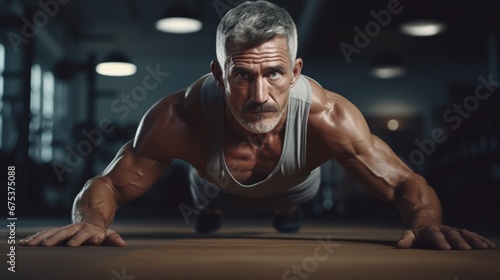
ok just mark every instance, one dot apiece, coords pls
pixel 260 107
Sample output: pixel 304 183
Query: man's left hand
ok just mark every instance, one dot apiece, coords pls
pixel 444 238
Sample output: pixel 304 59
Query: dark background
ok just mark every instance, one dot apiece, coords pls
pixel 44 117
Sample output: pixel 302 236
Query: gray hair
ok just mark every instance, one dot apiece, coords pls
pixel 255 22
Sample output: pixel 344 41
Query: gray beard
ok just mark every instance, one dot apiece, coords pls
pixel 260 126
pixel 257 126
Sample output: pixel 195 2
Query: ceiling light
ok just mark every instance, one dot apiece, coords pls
pixel 179 19
pixel 393 125
pixel 387 66
pixel 116 65
pixel 389 106
pixel 388 72
pixel 422 28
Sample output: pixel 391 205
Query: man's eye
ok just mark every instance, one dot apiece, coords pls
pixel 274 75
pixel 242 75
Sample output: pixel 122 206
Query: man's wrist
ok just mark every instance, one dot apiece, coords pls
pixel 89 218
pixel 424 218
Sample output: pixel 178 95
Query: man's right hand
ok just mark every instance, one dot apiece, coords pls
pixel 76 235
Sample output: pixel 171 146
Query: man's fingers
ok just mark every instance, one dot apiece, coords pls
pixel 31 239
pixel 437 238
pixel 456 240
pixel 406 240
pixel 36 239
pixel 114 239
pixel 61 235
pixel 477 241
pixel 465 240
pixel 93 236
pixel 447 238
pixel 491 245
pixel 79 238
pixel 76 234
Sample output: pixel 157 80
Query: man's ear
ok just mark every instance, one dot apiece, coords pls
pixel 296 70
pixel 217 72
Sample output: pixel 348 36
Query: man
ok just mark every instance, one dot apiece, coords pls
pixel 257 131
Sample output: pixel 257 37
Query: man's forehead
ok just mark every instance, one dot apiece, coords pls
pixel 276 45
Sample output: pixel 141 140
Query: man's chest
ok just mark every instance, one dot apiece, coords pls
pixel 252 160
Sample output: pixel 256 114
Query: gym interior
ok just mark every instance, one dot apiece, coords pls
pixel 425 75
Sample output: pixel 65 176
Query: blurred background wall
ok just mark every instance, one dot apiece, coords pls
pixel 432 96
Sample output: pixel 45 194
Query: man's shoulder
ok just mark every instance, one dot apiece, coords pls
pixel 324 100
pixel 333 114
pixel 185 103
pixel 173 126
pixel 192 96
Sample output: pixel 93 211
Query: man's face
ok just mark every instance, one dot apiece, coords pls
pixel 257 83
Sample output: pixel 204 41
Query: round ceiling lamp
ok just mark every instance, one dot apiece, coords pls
pixel 387 66
pixel 116 64
pixel 179 19
pixel 422 28
pixel 388 71
pixel 393 124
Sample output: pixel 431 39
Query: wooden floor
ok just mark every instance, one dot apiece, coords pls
pixel 248 250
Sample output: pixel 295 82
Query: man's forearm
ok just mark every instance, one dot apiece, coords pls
pixel 418 203
pixel 96 204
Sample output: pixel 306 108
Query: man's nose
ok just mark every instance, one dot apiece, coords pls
pixel 259 91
